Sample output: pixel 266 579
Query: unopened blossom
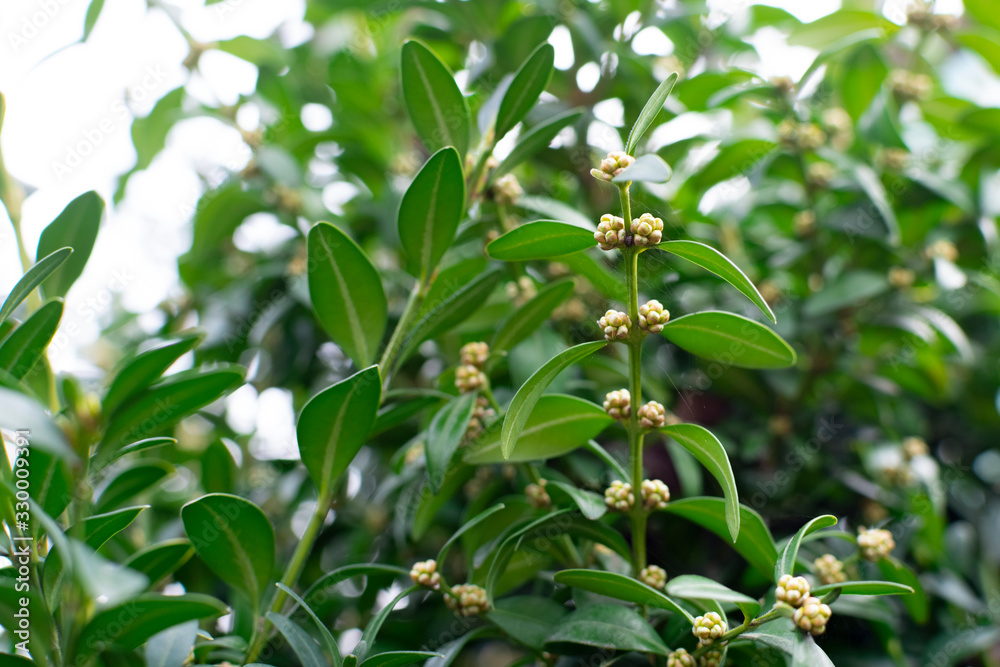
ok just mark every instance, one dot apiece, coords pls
pixel 710 659
pixel 468 600
pixel 709 627
pixel 654 576
pixel 469 378
pixel 475 354
pixel 652 415
pixel 610 232
pixel 424 573
pixel 829 569
pixel 681 658
pixel 812 616
pixel 652 316
pixel 615 163
pixel 615 325
pixel 507 190
pixel 619 496
pixel 914 447
pixel 646 230
pixel 618 403
pixel 537 495
pixel 792 590
pixel 481 414
pixel 655 494
pixel 875 544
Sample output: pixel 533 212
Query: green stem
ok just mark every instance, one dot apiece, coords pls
pixel 386 364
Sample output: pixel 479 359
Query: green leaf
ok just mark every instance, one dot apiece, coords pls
pixel 848 289
pixel 557 425
pixel 524 90
pixel 809 654
pixel 23 413
pixel 649 112
pixel 169 401
pixel 346 293
pixel 834 27
pixel 620 587
pixel 25 346
pixel 789 555
pixel 591 505
pixel 144 369
pixel 528 619
pixel 444 435
pixel 334 424
pixel 32 279
pixel 148 614
pixel 149 134
pixel 527 396
pixel 712 260
pixel 142 445
pixel 436 106
pixel 299 640
pixel 331 579
pixel 710 453
pixel 735 159
pixel 693 587
pixel 597 274
pixel 324 632
pixel 865 588
pixel 171 647
pixel 530 143
pixel 375 624
pixel 540 239
pixel 132 481
pixel 916 603
pixel 158 560
pixel 398 658
pixel 755 543
pixel 608 627
pixel 872 186
pixel 531 315
pixel 77 228
pixel 430 211
pixel 648 168
pixel 731 340
pixel 451 650
pixel 235 540
pixel 466 527
pixel 984 11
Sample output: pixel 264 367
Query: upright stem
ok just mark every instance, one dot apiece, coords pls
pixel 396 341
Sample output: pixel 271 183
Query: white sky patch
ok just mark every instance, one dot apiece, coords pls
pixel 262 232
pixel 777 58
pixel 241 409
pixel 275 436
pixel 652 42
pixel 338 193
pixel 562 41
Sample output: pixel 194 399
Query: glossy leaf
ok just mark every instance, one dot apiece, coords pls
pixel 25 346
pixel 693 587
pixel 524 90
pixel 76 227
pixel 142 445
pixel 334 424
pixel 730 340
pixel 158 560
pixel 916 603
pixel 755 543
pixel 523 321
pixel 865 588
pixel 540 239
pixel 649 112
pixel 809 654
pixel 466 527
pixel 620 587
pixel 304 646
pixel 331 579
pixel 647 169
pixel 444 435
pixel 436 106
pixel 557 425
pixel 528 619
pixel 710 453
pixel 597 274
pixel 151 613
pixel 397 658
pixel 32 279
pixel 346 293
pixel 234 538
pixel 789 555
pixel 712 260
pixel 324 632
pixel 591 505
pixel 531 142
pixel 130 482
pixel 608 627
pixel 430 212
pixel 171 647
pixel 145 368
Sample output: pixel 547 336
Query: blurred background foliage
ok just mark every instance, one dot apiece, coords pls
pixel 859 193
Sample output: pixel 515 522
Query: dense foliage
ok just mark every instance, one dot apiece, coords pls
pixel 558 298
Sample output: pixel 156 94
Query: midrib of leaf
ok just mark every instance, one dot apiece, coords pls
pixel 536 429
pixel 524 89
pixel 425 250
pixel 435 108
pixel 351 310
pixel 20 351
pixel 536 239
pixel 750 535
pixel 728 336
pixel 330 452
pixel 241 554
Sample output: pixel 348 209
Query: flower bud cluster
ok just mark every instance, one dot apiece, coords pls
pixel 615 163
pixel 652 316
pixel 652 415
pixel 619 496
pixel 829 569
pixel 708 628
pixel 792 590
pixel 537 495
pixel 812 616
pixel 654 577
pixel 618 403
pixel 875 544
pixel 610 232
pixel 424 573
pixel 468 600
pixel 646 230
pixel 655 494
pixel 615 325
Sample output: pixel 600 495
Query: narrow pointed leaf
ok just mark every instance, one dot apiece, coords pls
pixel 789 555
pixel 77 228
pixel 527 619
pixel 524 90
pixel 145 368
pixel 607 627
pixel 712 260
pixel 754 543
pixel 730 340
pixel 865 588
pixel 436 106
pixel 646 169
pixel 374 625
pixel 527 396
pixel 710 453
pixel 25 346
pixel 540 239
pixel 531 315
pixel 32 279
pixel 346 293
pixel 649 112
pixel 430 211
pixel 302 644
pixel 530 143
pixel 334 424
pixel 150 613
pixel 235 540
pixel 324 632
pixel 444 435
pixel 620 587
pixel 142 445
pixel 466 527
pixel 398 658
pixel 331 579
pixel 591 504
pixel 693 587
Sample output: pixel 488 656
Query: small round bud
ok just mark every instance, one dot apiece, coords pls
pixel 792 590
pixel 875 544
pixel 812 616
pixel 619 496
pixel 804 222
pixel 537 495
pixel 914 447
pixel 710 659
pixel 652 415
pixel 507 190
pixel 475 354
pixel 414 454
pixel 893 159
pixel 654 577
pixel 647 230
pixel 708 628
pixel 819 174
pixel 655 494
pixel 901 278
pixel 829 569
pixel 908 86
pixel 612 165
pixel 481 414
pixel 944 249
pixel 610 232
pixel 681 658
pixel 615 325
pixel 652 316
pixel 522 291
pixel 618 403
pixel 468 600
pixel 424 573
pixel 469 378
